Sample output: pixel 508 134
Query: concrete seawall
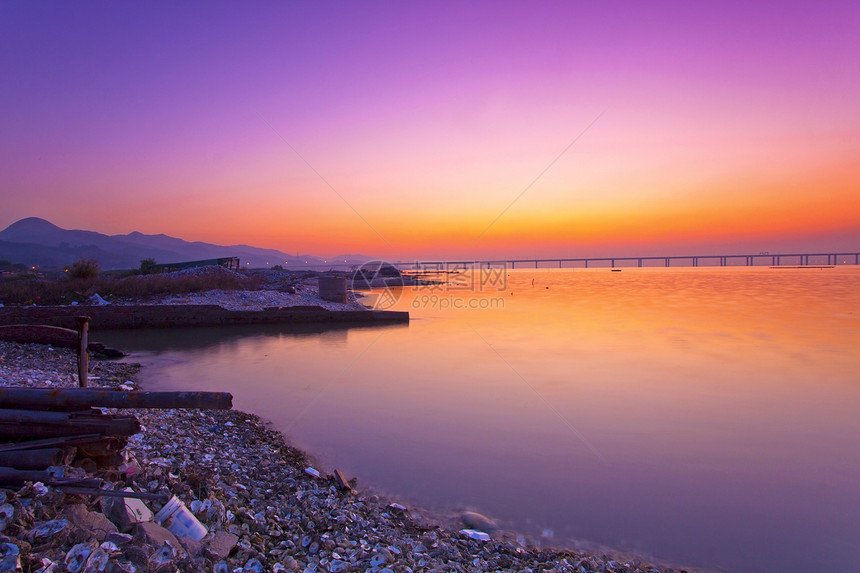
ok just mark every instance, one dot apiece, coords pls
pixel 166 316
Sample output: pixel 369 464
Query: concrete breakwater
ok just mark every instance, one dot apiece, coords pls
pixel 165 316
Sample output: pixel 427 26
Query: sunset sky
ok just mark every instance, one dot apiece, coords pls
pixel 438 129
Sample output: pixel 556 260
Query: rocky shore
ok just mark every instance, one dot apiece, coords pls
pixel 300 294
pixel 263 509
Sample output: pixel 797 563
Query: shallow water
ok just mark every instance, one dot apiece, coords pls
pixel 706 417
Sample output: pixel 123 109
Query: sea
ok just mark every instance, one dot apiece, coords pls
pixel 701 417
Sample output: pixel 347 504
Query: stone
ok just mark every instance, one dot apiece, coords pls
pixel 97 561
pixel 48 529
pixel 191 547
pixel 77 557
pixel 151 534
pixel 165 555
pixel 92 523
pixel 221 544
pixel 10 557
pixel 474 520
pixel 119 539
pixel 7 514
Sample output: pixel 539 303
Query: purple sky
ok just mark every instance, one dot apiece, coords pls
pixel 723 126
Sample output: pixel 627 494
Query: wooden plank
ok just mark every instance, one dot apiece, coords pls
pixel 63 441
pixel 83 323
pixel 33 459
pixel 40 334
pixel 77 398
pixel 38 424
pixel 341 481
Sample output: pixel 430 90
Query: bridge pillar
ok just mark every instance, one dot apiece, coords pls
pixel 667 261
pixel 640 262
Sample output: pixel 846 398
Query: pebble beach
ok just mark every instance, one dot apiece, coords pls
pixel 262 507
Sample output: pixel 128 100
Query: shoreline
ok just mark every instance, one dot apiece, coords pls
pixel 189 315
pixel 282 518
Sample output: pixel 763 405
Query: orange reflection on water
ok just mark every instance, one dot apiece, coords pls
pixel 705 416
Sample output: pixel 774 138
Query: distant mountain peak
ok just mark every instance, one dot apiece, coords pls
pixel 32 225
pixel 137 234
pixel 37 242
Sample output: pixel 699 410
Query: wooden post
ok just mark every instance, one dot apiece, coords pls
pixel 83 323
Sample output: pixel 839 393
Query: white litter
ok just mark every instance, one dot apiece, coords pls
pixel 475 534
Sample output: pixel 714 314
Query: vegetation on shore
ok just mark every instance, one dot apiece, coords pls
pixel 82 280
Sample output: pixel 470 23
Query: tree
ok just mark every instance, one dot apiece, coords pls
pixel 147 266
pixel 84 269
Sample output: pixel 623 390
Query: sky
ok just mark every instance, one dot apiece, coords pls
pixel 438 130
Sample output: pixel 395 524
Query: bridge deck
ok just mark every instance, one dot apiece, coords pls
pixel 761 259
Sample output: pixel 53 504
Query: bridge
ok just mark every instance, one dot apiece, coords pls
pixel 761 259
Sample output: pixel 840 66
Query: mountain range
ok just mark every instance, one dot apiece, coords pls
pixel 39 243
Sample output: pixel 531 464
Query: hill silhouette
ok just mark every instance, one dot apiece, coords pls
pixel 36 242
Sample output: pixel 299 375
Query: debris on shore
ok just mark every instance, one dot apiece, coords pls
pixel 250 491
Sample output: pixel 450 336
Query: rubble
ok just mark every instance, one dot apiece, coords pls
pixel 262 511
pixel 297 294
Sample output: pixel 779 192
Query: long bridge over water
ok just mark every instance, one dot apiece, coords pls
pixel 784 260
pixel 760 259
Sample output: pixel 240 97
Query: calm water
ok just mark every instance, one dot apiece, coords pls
pixel 706 417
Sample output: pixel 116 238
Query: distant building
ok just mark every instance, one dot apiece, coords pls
pixel 231 263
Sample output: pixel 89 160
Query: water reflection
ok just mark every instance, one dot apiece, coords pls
pixel 158 339
pixel 709 415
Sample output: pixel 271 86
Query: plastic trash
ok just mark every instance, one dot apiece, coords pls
pixel 135 510
pixel 312 472
pixel 98 300
pixel 475 534
pixel 180 521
